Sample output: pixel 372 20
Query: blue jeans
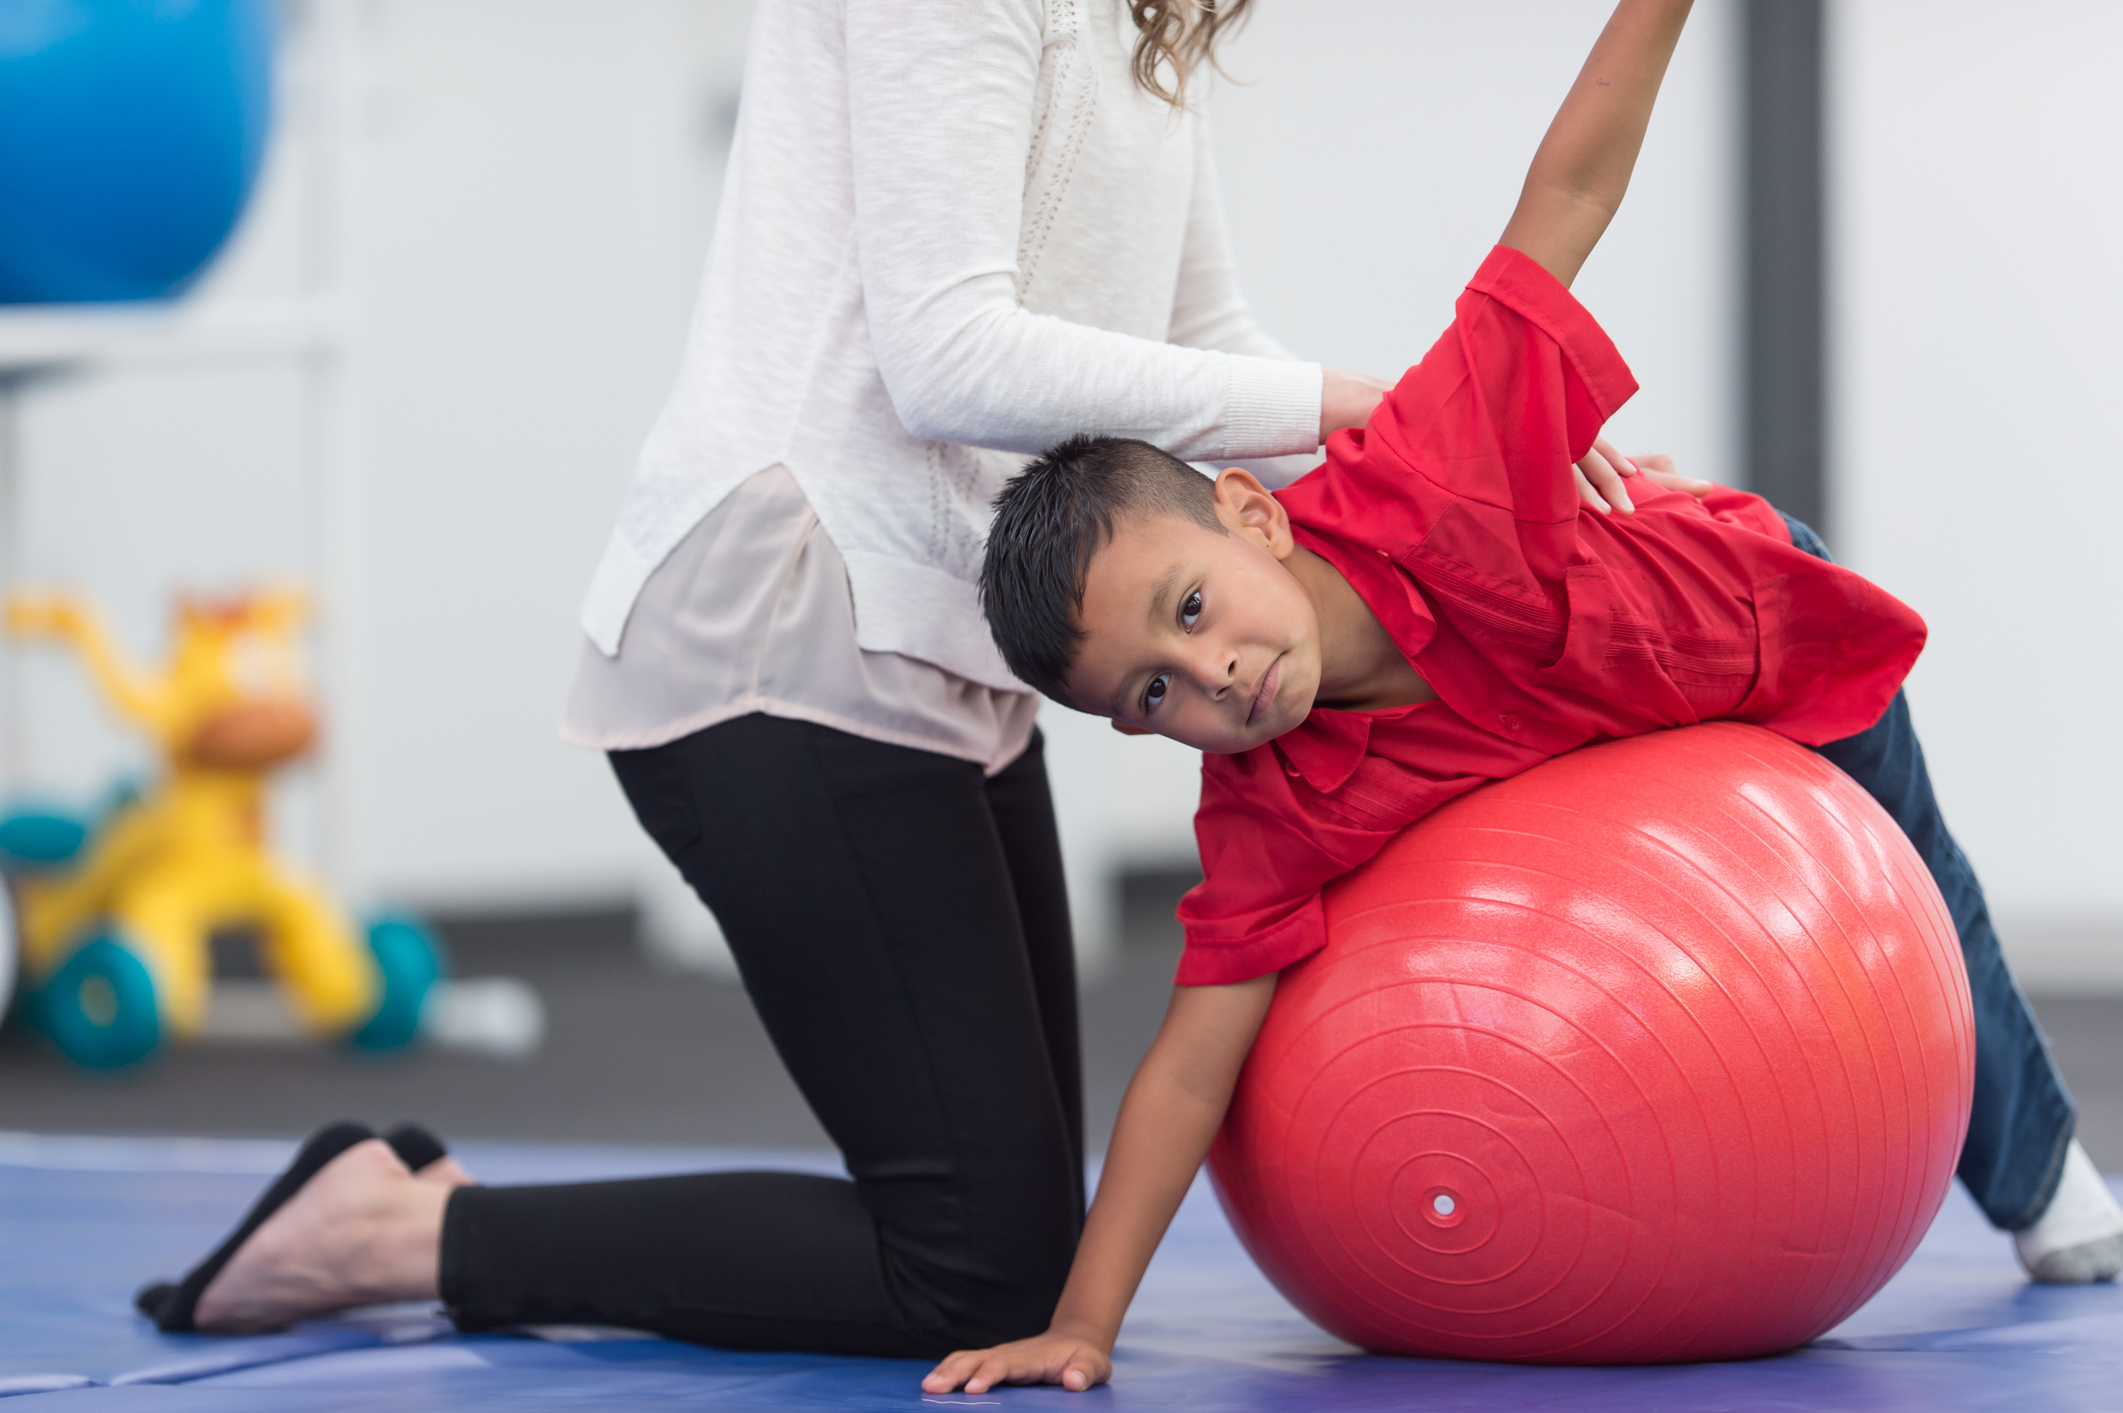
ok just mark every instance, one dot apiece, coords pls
pixel 2023 1117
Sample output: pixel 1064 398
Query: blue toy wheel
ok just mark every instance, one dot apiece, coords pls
pixel 412 961
pixel 40 838
pixel 99 1008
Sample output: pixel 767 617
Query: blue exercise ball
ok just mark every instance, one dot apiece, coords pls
pixel 130 136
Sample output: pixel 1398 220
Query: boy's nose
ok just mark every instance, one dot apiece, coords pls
pixel 1217 671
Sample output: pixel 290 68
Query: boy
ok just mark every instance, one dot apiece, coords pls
pixel 1429 610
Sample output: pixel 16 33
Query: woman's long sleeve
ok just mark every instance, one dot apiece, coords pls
pixel 943 98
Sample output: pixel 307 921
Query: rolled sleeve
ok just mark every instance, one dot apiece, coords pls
pixel 1218 955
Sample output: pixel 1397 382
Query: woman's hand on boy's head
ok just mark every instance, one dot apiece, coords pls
pixel 1076 1362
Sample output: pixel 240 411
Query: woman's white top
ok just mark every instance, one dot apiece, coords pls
pixel 953 232
pixel 751 613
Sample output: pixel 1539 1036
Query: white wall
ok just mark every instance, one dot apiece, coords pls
pixel 1975 205
pixel 540 185
pixel 536 181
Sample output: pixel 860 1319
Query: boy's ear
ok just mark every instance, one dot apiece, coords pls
pixel 1126 730
pixel 1249 511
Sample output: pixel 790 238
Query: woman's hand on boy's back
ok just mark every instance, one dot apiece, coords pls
pixel 1658 468
pixel 1348 399
pixel 1075 1361
pixel 1601 477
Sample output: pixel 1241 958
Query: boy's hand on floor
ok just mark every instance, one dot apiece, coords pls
pixel 1073 1361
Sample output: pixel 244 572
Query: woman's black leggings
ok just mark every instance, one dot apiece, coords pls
pixel 901 925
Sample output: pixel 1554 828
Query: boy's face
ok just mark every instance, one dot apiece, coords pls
pixel 1202 636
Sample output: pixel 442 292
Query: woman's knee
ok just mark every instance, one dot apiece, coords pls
pixel 978 1289
pixel 974 1314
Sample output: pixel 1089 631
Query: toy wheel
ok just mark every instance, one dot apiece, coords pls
pixel 40 838
pixel 411 961
pixel 99 1008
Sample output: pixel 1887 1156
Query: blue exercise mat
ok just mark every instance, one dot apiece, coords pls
pixel 84 1221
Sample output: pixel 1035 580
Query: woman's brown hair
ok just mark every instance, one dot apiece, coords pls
pixel 1179 35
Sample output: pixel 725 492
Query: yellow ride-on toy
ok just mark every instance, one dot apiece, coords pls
pixel 115 914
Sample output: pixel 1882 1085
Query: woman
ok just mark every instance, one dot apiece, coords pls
pixel 954 231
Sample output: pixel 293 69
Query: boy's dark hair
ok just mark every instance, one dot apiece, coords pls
pixel 1050 520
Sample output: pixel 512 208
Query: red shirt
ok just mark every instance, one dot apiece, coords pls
pixel 1455 516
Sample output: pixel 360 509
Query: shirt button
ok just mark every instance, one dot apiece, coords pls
pixel 1383 555
pixel 1844 645
pixel 1292 771
pixel 1510 720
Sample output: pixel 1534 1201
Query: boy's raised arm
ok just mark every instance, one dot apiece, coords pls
pixel 1173 1108
pixel 1582 167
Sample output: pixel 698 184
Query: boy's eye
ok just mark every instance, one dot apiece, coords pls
pixel 1155 692
pixel 1191 609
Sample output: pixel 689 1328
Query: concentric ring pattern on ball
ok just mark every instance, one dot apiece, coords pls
pixel 1660 1051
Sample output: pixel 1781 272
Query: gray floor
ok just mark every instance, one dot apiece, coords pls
pixel 636 1055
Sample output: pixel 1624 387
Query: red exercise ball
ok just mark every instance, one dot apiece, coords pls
pixel 1660 1051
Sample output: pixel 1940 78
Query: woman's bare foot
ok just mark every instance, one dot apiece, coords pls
pixel 363 1231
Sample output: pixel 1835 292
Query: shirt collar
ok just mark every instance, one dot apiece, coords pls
pixel 1327 748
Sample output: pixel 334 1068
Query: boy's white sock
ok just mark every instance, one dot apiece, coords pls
pixel 2079 1236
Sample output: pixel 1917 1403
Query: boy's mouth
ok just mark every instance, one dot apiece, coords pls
pixel 1265 693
